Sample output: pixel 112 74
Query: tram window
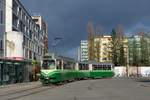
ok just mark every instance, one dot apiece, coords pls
pixel 80 66
pixel 58 64
pixel 45 65
pixel 109 67
pixel 48 64
pixel 100 67
pixel 94 67
pixel 104 67
pixel 87 67
pixel 83 67
pixel 72 66
pixel 67 66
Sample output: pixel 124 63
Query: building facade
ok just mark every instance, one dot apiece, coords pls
pixel 103 48
pixel 44 28
pixel 83 52
pixel 139 50
pixel 2 26
pixel 28 37
pixel 22 40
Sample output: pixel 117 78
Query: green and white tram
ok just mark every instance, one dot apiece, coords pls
pixel 56 69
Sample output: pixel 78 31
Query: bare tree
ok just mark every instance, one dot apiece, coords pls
pixel 118 46
pixel 90 31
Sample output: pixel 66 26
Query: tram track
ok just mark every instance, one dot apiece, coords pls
pixel 23 93
pixel 29 93
pixel 9 92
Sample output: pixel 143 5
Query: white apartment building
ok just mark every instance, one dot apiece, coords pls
pixel 102 49
pixel 83 50
pixel 20 36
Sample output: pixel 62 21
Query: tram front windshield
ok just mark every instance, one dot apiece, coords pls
pixel 48 64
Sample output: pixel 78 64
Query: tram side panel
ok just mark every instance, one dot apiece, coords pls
pixel 83 71
pixel 101 71
pixel 69 72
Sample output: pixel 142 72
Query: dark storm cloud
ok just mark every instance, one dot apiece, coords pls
pixel 68 18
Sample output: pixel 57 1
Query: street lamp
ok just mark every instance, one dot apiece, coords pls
pixel 55 43
pixel 127 66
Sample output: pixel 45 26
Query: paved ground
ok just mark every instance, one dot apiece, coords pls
pixel 18 87
pixel 103 89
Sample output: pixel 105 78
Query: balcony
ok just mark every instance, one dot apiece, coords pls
pixel 15 23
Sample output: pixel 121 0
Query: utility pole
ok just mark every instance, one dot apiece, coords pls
pixel 55 43
pixel 127 67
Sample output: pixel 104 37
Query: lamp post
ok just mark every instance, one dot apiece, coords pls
pixel 55 43
pixel 127 67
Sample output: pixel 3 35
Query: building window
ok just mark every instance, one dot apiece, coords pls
pixel 26 53
pixel 30 54
pixel 1 44
pixel 1 17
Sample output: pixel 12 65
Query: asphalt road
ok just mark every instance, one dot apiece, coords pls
pixel 101 89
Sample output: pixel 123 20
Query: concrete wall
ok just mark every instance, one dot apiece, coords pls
pixel 2 27
pixel 120 71
pixel 145 71
pixel 8 7
pixel 14 44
